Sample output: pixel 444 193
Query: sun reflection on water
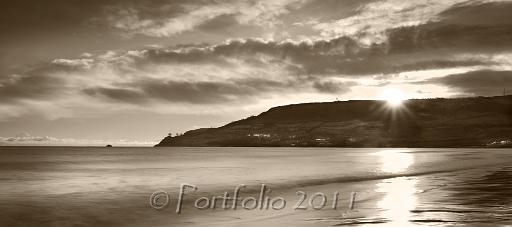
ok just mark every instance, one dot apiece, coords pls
pixel 395 161
pixel 399 199
pixel 400 192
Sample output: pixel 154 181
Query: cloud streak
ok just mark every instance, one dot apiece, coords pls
pixel 186 16
pixel 482 82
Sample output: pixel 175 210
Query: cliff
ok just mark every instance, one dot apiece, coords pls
pixel 461 122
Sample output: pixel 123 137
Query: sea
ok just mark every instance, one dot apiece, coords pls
pixel 97 186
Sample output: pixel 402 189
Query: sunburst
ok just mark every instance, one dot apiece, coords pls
pixel 393 96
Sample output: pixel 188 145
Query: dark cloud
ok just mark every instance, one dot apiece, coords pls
pixel 471 39
pixel 44 82
pixel 146 91
pixel 333 87
pixel 327 10
pixel 478 13
pixel 228 25
pixel 218 23
pixel 29 87
pixel 191 55
pixel 439 64
pixel 240 90
pixel 29 15
pixel 337 56
pixel 467 28
pixel 36 31
pixel 118 94
pixel 483 82
pixel 37 84
pixel 201 92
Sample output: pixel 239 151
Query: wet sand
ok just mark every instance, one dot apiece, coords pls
pixel 442 199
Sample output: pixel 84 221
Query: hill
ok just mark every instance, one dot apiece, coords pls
pixel 461 122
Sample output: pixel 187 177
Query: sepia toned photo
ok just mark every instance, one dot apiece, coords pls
pixel 228 113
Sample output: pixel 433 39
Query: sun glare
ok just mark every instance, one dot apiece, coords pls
pixel 393 96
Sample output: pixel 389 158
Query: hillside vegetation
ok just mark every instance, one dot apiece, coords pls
pixel 462 122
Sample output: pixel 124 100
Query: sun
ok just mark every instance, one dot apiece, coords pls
pixel 393 96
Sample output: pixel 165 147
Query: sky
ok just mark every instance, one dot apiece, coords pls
pixel 130 72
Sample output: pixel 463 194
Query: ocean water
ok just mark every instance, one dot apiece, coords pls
pixel 90 186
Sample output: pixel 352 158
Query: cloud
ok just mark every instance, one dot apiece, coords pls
pixel 470 28
pixel 335 56
pixel 470 39
pixel 42 82
pixel 376 17
pixel 427 23
pixel 333 87
pixel 478 13
pixel 221 23
pixel 247 71
pixel 209 92
pixel 223 73
pixel 75 63
pixel 117 94
pixel 25 139
pixel 18 87
pixel 151 90
pixel 482 82
pixel 185 16
pixel 254 67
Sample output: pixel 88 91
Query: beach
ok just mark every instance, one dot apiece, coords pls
pixel 90 186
